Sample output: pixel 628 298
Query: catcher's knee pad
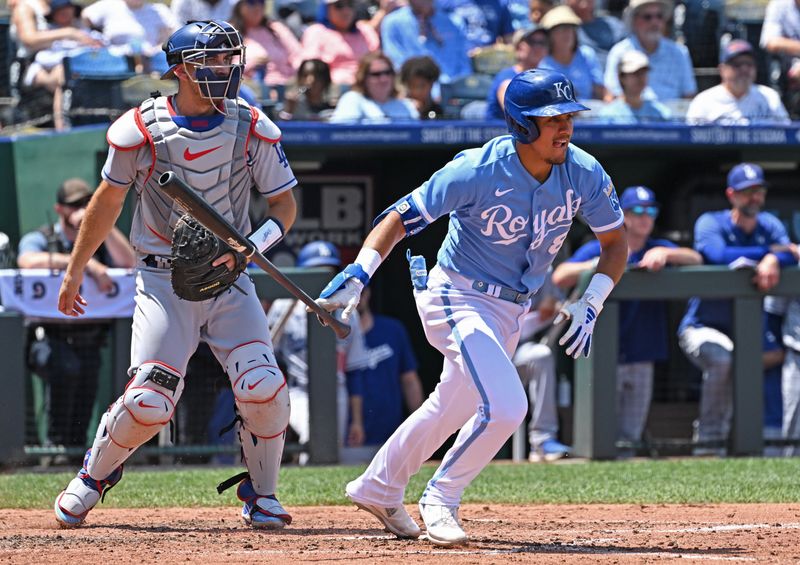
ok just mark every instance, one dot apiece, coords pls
pixel 259 388
pixel 144 408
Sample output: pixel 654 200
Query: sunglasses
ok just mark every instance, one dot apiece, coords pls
pixel 376 74
pixel 650 16
pixel 742 64
pixel 82 203
pixel 537 42
pixel 651 211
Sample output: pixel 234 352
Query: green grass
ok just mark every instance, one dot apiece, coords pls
pixel 668 481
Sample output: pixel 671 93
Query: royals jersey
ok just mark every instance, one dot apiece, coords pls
pixel 220 156
pixel 505 226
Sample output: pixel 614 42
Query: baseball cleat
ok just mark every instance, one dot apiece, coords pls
pixel 395 519
pixel 442 524
pixel 261 511
pixel 82 494
pixel 549 451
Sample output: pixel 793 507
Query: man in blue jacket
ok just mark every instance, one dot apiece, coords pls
pixel 741 236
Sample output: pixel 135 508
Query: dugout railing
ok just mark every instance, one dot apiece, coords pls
pixel 595 418
pixel 322 447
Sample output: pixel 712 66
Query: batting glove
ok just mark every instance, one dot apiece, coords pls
pixel 344 291
pixel 583 313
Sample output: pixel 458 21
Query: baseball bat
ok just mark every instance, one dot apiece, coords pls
pixel 204 213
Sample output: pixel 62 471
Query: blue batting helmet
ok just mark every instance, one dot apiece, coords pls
pixel 196 41
pixel 319 254
pixel 537 93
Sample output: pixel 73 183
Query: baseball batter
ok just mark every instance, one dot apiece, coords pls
pixel 221 147
pixel 510 204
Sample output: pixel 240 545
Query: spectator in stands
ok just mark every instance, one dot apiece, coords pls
pixel 32 30
pixel 67 355
pixel 600 32
pixel 421 29
pixel 418 75
pixel 737 100
pixel 538 8
pixel 780 35
pixel 310 98
pixel 339 40
pixel 671 73
pixel 273 52
pixel 374 97
pixel 536 366
pixel 388 388
pixel 46 70
pixel 632 107
pixel 132 27
pixel 484 22
pixel 380 9
pixel 288 322
pixel 567 56
pixel 642 324
pixel 185 11
pixel 530 47
pixel 741 236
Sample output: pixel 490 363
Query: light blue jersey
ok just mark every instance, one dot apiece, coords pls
pixel 505 226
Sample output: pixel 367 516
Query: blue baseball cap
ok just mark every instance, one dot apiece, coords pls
pixel 746 175
pixel 734 49
pixel 637 196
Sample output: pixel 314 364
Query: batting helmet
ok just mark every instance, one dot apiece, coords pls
pixel 319 254
pixel 537 93
pixel 196 41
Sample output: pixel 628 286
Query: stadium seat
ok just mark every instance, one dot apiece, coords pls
pixel 460 92
pixel 92 91
pixel 492 59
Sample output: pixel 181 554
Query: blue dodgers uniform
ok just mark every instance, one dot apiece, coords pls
pixel 720 242
pixel 642 323
pixel 505 228
pixel 390 356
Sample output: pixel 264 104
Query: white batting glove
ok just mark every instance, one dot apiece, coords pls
pixel 583 313
pixel 347 297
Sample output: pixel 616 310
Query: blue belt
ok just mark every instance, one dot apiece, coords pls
pixel 501 292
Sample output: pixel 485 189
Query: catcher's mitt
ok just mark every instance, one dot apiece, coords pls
pixel 194 248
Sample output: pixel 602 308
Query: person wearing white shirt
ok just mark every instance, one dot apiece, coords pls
pixel 200 10
pixel 737 100
pixel 136 27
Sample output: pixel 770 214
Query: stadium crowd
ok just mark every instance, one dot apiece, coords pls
pixel 372 61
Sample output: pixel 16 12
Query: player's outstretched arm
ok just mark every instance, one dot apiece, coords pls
pixel 613 257
pixel 344 290
pixel 101 215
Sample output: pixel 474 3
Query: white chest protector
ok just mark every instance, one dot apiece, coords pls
pixel 213 162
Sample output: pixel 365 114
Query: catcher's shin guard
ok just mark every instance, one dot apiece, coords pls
pixel 144 408
pixel 262 399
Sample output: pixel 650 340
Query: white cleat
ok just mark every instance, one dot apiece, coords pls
pixel 442 524
pixel 396 520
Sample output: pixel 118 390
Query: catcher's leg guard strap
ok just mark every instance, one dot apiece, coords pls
pixel 144 408
pixel 262 399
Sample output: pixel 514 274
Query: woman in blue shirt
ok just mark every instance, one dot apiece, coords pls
pixel 577 62
pixel 374 96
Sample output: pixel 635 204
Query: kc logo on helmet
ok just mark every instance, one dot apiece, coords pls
pixel 563 90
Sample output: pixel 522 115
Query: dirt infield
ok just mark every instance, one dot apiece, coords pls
pixel 761 533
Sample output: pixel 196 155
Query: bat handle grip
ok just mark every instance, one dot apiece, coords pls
pixel 341 329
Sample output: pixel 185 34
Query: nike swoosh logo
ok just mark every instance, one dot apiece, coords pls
pixel 255 384
pixel 143 405
pixel 189 156
pixel 499 192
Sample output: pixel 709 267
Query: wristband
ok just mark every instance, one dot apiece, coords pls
pixel 598 290
pixel 369 260
pixel 267 234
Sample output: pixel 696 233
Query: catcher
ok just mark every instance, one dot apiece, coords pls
pixel 189 286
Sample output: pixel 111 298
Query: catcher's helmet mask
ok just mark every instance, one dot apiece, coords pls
pixel 199 44
pixel 537 93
